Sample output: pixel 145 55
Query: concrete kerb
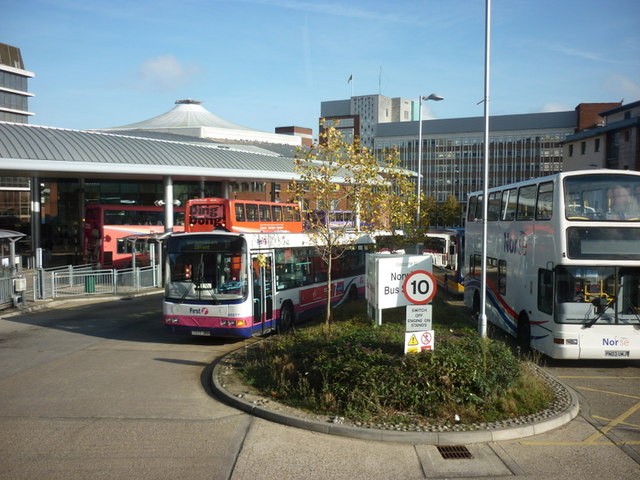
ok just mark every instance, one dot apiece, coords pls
pixel 525 428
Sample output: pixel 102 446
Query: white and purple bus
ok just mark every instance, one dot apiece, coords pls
pixel 563 262
pixel 227 284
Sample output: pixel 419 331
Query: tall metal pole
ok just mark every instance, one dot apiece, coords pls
pixel 482 326
pixel 168 204
pixel 436 98
pixel 419 160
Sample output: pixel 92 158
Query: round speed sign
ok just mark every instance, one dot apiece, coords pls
pixel 419 287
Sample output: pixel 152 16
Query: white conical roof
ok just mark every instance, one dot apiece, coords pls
pixel 186 113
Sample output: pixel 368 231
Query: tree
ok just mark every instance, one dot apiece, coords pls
pixel 335 174
pixel 450 212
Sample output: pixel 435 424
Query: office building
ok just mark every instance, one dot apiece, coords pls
pixel 14 107
pixel 522 146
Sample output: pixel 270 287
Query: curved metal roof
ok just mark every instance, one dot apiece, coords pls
pixel 30 150
pixel 186 113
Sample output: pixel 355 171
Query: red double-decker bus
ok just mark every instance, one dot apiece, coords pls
pixel 106 226
pixel 241 216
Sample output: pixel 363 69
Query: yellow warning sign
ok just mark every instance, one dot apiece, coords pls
pixel 415 342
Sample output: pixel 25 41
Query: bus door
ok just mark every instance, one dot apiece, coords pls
pixel 262 288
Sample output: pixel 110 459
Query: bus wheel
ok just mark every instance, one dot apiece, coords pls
pixel 475 308
pixel 353 294
pixel 286 318
pixel 524 332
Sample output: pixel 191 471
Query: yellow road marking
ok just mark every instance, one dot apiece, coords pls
pixel 620 418
pixel 627 424
pixel 609 393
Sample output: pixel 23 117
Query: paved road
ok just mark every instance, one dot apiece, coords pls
pixel 100 391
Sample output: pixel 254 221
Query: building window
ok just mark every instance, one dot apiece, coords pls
pixel 596 145
pixel 583 148
pixel 571 150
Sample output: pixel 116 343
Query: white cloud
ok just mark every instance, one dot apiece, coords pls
pixel 165 73
pixel 555 107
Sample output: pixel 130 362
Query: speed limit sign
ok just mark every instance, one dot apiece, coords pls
pixel 419 287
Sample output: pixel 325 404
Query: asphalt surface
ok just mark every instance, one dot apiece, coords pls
pixel 107 399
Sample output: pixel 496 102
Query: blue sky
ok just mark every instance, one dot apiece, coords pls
pixel 269 63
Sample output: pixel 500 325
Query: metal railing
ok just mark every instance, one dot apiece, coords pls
pixel 79 280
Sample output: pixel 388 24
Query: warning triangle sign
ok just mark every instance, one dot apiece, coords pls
pixel 413 340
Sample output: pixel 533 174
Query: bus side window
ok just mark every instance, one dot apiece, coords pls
pixel 545 291
pixel 544 206
pixel 471 211
pixel 493 212
pixel 509 204
pixel 526 202
pixel 277 213
pixel 252 212
pixel 239 212
pixel 265 213
pixel 479 206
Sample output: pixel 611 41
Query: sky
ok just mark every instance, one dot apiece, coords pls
pixel 270 63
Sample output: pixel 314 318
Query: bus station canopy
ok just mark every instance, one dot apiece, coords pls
pixel 37 151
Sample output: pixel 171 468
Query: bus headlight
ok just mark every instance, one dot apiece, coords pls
pixel 171 320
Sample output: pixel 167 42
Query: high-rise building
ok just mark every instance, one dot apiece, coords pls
pixel 14 94
pixel 14 107
pixel 359 116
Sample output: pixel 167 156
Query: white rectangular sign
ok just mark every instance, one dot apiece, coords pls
pixel 386 274
pixel 419 317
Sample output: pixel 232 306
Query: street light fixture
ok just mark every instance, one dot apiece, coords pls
pixel 436 98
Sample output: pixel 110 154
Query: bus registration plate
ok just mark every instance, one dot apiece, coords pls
pixel 202 333
pixel 616 353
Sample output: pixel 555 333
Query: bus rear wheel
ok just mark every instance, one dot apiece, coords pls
pixel 524 332
pixel 475 307
pixel 286 318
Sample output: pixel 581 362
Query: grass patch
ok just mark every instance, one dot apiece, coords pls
pixel 359 371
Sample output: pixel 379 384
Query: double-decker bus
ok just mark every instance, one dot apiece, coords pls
pixel 563 263
pixel 107 226
pixel 446 246
pixel 242 216
pixel 226 284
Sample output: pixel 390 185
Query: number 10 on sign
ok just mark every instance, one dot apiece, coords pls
pixel 419 287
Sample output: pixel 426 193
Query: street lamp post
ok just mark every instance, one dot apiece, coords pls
pixel 435 97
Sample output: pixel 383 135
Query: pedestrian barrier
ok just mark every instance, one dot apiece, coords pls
pixel 72 281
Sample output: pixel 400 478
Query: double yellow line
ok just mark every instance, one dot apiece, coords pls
pixel 619 420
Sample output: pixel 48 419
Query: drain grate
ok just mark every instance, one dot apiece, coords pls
pixel 454 452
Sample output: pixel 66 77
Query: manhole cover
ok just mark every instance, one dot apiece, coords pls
pixel 454 452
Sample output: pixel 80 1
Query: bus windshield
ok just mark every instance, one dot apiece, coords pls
pixel 207 268
pixel 603 294
pixel 602 197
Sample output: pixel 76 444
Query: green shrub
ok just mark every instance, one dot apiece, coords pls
pixel 361 372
